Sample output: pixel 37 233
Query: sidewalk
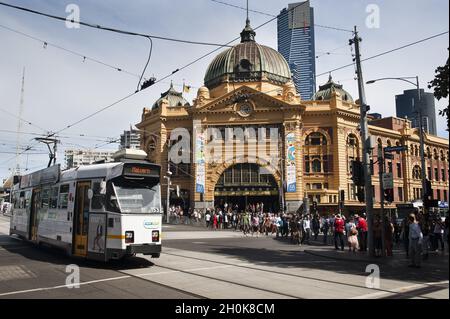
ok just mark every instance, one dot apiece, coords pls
pixel 399 255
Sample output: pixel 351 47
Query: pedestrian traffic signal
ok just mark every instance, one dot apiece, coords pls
pixel 428 189
pixel 389 195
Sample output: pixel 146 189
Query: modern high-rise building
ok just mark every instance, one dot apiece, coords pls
pixel 130 139
pixel 407 104
pixel 75 158
pixel 296 44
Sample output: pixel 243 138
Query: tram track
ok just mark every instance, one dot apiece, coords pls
pixel 189 272
pixel 253 268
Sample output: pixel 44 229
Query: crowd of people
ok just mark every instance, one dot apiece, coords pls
pixel 419 233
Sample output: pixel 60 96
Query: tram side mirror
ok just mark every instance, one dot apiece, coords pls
pixel 103 188
pixel 90 193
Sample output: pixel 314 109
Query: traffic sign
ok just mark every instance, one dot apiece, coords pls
pixel 396 149
pixel 389 156
pixel 388 180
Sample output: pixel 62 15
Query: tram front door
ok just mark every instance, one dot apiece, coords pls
pixel 81 220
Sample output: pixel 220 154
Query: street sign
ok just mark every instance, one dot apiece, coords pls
pixel 388 156
pixel 388 181
pixel 396 149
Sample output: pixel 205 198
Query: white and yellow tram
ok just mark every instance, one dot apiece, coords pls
pixel 100 211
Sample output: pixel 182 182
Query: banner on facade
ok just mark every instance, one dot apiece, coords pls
pixel 200 162
pixel 291 170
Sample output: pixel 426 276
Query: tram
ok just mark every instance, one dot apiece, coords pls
pixel 101 211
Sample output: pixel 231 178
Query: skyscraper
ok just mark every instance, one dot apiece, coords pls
pixel 406 104
pixel 296 44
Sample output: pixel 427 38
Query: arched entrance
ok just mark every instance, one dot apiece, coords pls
pixel 244 184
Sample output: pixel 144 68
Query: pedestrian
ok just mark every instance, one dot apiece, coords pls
pixel 415 242
pixel 378 238
pixel 316 226
pixel 438 234
pixel 425 226
pixel 306 230
pixel 339 232
pixel 404 235
pixel 361 226
pixel 388 236
pixel 215 221
pixel 325 230
pixel 207 218
pixel 352 239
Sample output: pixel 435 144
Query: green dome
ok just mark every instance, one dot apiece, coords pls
pixel 175 99
pixel 326 91
pixel 247 62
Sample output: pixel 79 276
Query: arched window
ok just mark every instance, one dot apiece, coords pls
pixel 316 139
pixel 389 143
pixel 416 172
pixel 435 154
pixel 416 150
pixel 428 153
pixel 442 155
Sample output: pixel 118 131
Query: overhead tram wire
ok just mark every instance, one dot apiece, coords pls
pixel 83 56
pixel 276 16
pixel 23 120
pixel 99 27
pixel 202 57
pixel 160 80
pixel 385 52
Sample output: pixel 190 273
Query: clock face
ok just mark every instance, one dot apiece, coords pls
pixel 245 110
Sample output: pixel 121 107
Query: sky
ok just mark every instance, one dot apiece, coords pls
pixel 60 88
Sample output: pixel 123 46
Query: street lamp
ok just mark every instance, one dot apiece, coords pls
pixel 418 111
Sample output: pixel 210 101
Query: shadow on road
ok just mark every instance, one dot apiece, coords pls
pixel 43 253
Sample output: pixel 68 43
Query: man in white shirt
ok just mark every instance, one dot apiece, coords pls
pixel 306 229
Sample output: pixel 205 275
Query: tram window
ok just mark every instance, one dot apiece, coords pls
pixel 63 196
pixel 98 199
pixel 54 198
pixel 27 199
pixel 45 198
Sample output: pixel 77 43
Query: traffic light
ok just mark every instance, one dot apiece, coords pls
pixel 315 206
pixel 389 195
pixel 358 173
pixel 342 196
pixel 361 195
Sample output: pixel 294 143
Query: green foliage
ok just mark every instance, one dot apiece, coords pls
pixel 440 85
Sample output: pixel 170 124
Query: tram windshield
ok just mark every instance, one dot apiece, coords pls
pixel 129 196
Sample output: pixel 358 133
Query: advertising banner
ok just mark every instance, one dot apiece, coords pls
pixel 97 233
pixel 291 169
pixel 200 162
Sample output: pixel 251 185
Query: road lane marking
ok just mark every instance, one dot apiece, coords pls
pixel 62 286
pixel 108 279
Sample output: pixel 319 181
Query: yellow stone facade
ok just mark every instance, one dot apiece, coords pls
pixel 245 88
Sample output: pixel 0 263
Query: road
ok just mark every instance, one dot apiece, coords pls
pixel 204 264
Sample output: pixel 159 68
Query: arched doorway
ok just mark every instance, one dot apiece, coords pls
pixel 244 184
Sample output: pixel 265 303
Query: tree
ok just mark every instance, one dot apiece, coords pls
pixel 440 85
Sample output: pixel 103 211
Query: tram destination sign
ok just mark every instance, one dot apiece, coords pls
pixel 140 170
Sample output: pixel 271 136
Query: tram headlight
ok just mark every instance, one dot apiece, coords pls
pixel 129 237
pixel 155 236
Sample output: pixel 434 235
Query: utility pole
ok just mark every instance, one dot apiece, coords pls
pixel 422 145
pixel 366 142
pixel 381 167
